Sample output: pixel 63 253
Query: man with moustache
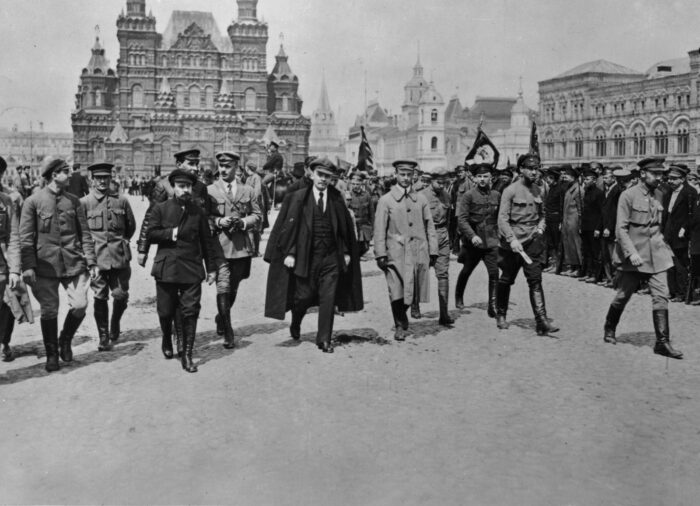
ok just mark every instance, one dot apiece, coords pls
pixel 112 224
pixel 642 254
pixel 235 217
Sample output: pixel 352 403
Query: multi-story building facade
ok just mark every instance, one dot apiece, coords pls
pixel 189 86
pixel 30 147
pixel 606 112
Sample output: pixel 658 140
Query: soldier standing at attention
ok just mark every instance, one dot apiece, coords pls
pixel 234 221
pixel 478 224
pixel 405 244
pixel 112 224
pixel 642 254
pixel 57 249
pixel 439 202
pixel 521 228
pixel 362 207
pixel 180 228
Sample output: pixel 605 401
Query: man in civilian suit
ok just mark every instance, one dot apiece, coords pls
pixel 313 256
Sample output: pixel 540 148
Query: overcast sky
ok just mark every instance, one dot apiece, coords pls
pixel 467 47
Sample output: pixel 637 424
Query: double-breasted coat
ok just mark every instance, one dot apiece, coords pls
pixel 679 217
pixel 404 233
pixel 244 205
pixel 292 234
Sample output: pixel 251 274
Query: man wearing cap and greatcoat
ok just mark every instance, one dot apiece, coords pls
pixel 405 244
pixel 478 224
pixel 362 207
pixel 57 249
pixel 679 206
pixel 181 230
pixel 111 223
pixel 571 223
pixel 641 253
pixel 313 257
pixel 235 216
pixel 439 203
pixel 521 225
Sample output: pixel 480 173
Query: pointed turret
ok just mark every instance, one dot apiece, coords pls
pixel 282 86
pixel 225 102
pixel 166 98
pixel 97 60
pixel 323 102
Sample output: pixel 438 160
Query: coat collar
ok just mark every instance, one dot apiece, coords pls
pixel 398 193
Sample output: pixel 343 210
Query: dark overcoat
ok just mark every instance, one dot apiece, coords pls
pixel 679 217
pixel 292 234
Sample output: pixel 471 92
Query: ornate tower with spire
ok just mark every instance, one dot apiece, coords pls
pixel 413 91
pixel 324 139
pixel 282 87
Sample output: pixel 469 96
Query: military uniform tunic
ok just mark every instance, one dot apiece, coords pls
pixel 439 203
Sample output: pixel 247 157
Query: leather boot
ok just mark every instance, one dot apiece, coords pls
pixel 166 328
pixel 493 285
pixel 415 308
pixel 101 321
pixel 611 321
pixel 179 331
pixel 542 325
pixel 663 340
pixel 8 325
pixel 443 295
pixel 70 326
pixel 295 327
pixel 118 308
pixel 189 325
pixel 398 310
pixel 502 296
pixel 223 305
pixel 49 332
pixel 459 289
pixel 219 323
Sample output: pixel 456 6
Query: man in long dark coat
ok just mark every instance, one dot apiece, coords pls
pixel 313 256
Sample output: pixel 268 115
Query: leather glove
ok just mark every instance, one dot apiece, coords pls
pixel 433 260
pixel 383 263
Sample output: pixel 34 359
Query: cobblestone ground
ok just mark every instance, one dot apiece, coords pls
pixel 464 416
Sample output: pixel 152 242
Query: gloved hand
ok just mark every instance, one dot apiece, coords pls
pixel 383 263
pixel 433 260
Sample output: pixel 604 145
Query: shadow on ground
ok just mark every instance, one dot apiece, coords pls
pixel 637 339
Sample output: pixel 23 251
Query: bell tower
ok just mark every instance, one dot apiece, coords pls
pixel 247 10
pixel 136 8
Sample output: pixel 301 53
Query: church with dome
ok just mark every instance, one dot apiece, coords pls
pixel 437 132
pixel 189 86
pixel 606 112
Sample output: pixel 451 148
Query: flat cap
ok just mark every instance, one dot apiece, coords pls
pixel 405 164
pixel 187 154
pixel 480 168
pixel 358 174
pixel 226 156
pixel 678 169
pixel 53 166
pixel 323 165
pixel 589 172
pixel 100 169
pixel 182 176
pixel 528 161
pixel 567 168
pixel 654 163
pixel 621 172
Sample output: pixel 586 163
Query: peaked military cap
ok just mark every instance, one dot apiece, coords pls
pixel 226 156
pixel 481 168
pixel 528 161
pixel 53 166
pixel 679 169
pixel 100 169
pixel 187 154
pixel 654 163
pixel 621 172
pixel 182 176
pixel 405 164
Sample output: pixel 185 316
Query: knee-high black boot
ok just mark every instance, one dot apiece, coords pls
pixel 118 308
pixel 443 295
pixel 543 327
pixel 611 321
pixel 70 326
pixel 493 285
pixel 102 322
pixel 663 338
pixel 415 305
pixel 223 305
pixel 49 333
pixel 190 330
pixel 7 325
pixel 462 279
pixel 166 328
pixel 398 309
pixel 502 297
pixel 179 331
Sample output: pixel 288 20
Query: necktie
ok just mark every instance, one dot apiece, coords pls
pixel 320 201
pixel 229 190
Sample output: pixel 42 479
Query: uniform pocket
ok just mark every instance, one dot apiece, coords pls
pixel 67 221
pixel 639 215
pixel 95 220
pixel 118 219
pixel 44 222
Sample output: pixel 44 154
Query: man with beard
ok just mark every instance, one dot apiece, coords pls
pixel 608 219
pixel 233 222
pixel 521 227
pixel 553 204
pixel 112 224
pixel 642 254
pixel 678 204
pixel 313 257
pixel 591 216
pixel 504 177
pixel 180 228
pixel 405 244
pixel 439 203
pixel 571 222
pixel 363 209
pixel 478 224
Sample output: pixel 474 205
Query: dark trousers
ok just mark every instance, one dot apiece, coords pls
pixel 473 255
pixel 606 254
pixel 169 295
pixel 590 250
pixel 678 274
pixel 511 262
pixel 319 286
pixel 552 239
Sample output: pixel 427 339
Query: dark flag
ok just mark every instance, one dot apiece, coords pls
pixel 482 151
pixel 534 143
pixel 365 160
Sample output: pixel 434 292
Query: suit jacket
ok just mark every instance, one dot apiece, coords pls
pixel 292 234
pixel 679 217
pixel 180 260
pixel 608 218
pixel 78 185
pixel 591 216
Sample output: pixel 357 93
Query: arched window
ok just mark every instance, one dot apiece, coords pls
pixel 578 145
pixel 180 96
pixel 98 97
pixel 682 139
pixel 179 60
pixel 164 61
pixel 285 102
pixel 548 147
pixel 660 140
pixel 601 146
pixel 195 97
pixel 209 97
pixel 434 116
pixel 137 96
pixel 618 142
pixel 639 141
pixel 98 150
pixel 250 99
pixel 434 144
